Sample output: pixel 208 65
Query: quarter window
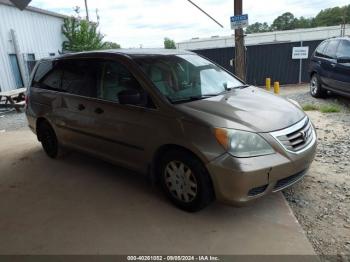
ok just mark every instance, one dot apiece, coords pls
pixel 47 76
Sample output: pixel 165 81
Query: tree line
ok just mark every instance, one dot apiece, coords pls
pixel 287 21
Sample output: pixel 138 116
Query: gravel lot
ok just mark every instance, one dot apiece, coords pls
pixel 321 202
pixel 10 120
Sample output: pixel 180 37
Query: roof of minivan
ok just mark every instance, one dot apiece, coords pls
pixel 133 52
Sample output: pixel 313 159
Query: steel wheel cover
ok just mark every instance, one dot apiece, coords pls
pixel 180 181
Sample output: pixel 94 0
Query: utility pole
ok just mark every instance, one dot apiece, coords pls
pixel 87 10
pixel 343 25
pixel 240 54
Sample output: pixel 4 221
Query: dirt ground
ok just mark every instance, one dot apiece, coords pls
pixel 321 202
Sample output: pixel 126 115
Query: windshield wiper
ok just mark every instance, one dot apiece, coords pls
pixel 192 98
pixel 242 86
pixel 228 89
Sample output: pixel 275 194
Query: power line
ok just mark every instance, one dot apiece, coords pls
pixel 205 13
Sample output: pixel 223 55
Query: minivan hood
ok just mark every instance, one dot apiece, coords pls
pixel 250 109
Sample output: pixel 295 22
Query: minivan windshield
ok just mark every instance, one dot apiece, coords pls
pixel 183 78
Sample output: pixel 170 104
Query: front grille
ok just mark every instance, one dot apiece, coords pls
pixel 284 182
pixel 296 137
pixel 257 190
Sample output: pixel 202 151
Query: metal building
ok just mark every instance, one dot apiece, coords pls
pixel 268 54
pixel 26 36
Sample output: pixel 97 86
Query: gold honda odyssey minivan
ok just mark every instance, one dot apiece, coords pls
pixel 191 125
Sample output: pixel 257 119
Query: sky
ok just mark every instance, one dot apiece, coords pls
pixel 135 23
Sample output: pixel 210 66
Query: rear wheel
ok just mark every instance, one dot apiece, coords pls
pixel 185 181
pixel 316 89
pixel 48 139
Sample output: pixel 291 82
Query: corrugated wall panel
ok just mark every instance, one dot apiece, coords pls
pixel 269 60
pixel 36 33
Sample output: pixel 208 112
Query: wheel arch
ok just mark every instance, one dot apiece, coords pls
pixel 312 73
pixel 168 147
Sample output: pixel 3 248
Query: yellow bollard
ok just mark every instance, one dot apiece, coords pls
pixel 276 87
pixel 268 84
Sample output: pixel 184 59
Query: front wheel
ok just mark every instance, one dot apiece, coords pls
pixel 316 89
pixel 185 181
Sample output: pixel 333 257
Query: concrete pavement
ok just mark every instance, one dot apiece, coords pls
pixel 81 205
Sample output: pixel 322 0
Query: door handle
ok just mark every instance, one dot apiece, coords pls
pixel 81 107
pixel 99 110
pixel 319 62
pixel 333 65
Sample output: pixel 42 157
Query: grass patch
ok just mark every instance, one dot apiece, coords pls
pixel 330 109
pixel 310 107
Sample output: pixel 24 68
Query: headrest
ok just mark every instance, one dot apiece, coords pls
pixel 156 74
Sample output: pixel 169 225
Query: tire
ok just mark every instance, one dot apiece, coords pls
pixel 48 139
pixel 185 181
pixel 316 89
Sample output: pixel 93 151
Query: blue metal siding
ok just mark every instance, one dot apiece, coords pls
pixel 268 60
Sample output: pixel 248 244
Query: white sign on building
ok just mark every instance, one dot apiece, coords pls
pixel 300 52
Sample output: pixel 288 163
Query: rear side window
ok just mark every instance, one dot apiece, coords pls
pixel 344 49
pixel 81 77
pixel 47 76
pixel 331 49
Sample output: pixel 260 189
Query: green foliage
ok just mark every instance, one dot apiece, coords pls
pixel 327 108
pixel 287 21
pixel 169 44
pixel 303 22
pixel 111 45
pixel 258 28
pixel 330 108
pixel 333 16
pixel 309 107
pixel 82 35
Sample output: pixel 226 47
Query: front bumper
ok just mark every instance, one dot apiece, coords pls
pixel 238 181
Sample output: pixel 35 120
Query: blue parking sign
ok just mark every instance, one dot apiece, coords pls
pixel 239 21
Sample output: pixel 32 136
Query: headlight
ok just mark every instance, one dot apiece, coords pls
pixel 294 102
pixel 242 143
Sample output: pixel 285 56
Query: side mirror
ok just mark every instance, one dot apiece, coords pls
pixel 130 97
pixel 343 60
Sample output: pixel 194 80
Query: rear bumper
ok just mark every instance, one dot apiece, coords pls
pixel 239 181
